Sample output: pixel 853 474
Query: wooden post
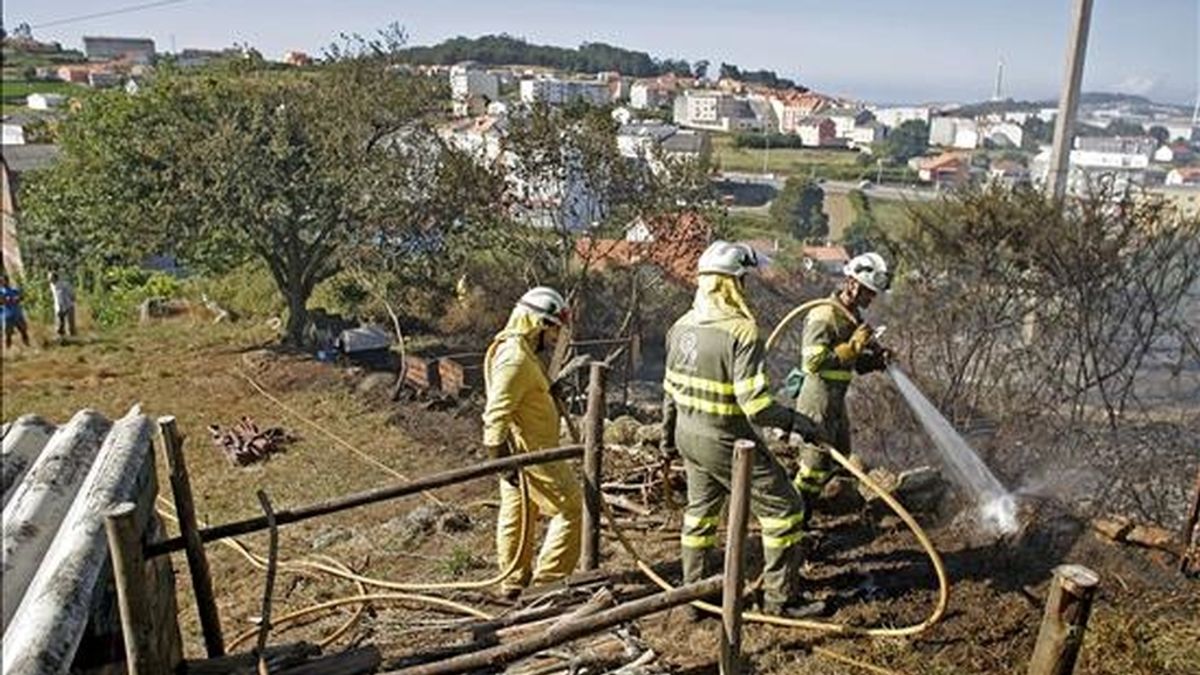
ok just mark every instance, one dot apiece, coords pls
pixel 185 510
pixel 566 632
pixel 593 466
pixel 138 625
pixel 1066 617
pixel 735 558
pixel 264 626
pixel 1191 547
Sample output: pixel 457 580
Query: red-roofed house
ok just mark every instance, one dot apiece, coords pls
pixel 1184 175
pixel 673 244
pixel 827 259
pixel 948 168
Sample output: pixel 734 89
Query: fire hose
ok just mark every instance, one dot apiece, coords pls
pixel 939 608
pixel 337 569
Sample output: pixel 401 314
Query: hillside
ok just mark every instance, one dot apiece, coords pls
pixel 589 57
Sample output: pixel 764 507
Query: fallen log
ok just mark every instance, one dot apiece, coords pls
pixel 38 504
pixel 600 600
pixel 559 634
pixel 627 505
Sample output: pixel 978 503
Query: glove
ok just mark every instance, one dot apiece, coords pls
pixel 850 350
pixel 500 451
pixel 874 358
pixel 804 431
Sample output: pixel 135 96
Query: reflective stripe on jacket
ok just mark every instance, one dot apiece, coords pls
pixel 825 327
pixel 715 382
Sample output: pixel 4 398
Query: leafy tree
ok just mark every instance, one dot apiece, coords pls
pixel 798 208
pixel 1160 134
pixel 906 141
pixel 302 171
pixel 700 69
pixel 1036 132
pixel 860 235
pixel 590 57
pixel 1119 127
pixel 766 78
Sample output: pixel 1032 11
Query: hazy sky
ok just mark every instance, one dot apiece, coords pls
pixel 881 50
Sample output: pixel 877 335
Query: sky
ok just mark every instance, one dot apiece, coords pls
pixel 875 50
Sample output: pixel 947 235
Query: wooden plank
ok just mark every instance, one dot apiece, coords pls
pixel 185 510
pixel 508 653
pixel 365 497
pixel 735 559
pixel 593 466
pixel 1067 609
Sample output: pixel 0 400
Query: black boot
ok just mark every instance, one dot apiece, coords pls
pixel 796 608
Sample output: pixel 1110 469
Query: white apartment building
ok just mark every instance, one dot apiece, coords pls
pixel 894 117
pixel 648 95
pixel 719 111
pixel 554 91
pixel 468 79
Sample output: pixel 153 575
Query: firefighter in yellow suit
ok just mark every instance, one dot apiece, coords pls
pixel 716 392
pixel 521 416
pixel 835 347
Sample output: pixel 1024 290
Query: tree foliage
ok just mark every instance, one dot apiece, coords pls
pixel 299 170
pixel 767 78
pixel 589 57
pixel 799 208
pixel 906 141
pixel 861 234
pixel 1029 309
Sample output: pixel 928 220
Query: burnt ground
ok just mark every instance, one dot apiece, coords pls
pixel 1146 619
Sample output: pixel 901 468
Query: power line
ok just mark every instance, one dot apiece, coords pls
pixel 111 12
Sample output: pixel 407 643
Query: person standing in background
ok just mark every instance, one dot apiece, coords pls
pixel 11 314
pixel 64 305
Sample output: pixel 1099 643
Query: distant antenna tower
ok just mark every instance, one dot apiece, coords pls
pixel 173 43
pixel 1196 110
pixel 997 94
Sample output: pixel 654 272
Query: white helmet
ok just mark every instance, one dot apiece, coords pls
pixel 870 270
pixel 546 303
pixel 723 257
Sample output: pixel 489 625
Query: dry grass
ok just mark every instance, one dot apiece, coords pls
pixel 1149 622
pixel 191 370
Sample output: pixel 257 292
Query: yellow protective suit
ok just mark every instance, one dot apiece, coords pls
pixel 520 410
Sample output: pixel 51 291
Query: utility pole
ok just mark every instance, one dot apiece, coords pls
pixel 767 144
pixel 1068 102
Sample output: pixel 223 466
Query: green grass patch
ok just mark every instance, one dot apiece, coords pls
pixel 15 91
pixel 890 213
pixel 784 161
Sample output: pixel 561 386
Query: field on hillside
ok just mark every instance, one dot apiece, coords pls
pixel 1146 621
pixel 782 161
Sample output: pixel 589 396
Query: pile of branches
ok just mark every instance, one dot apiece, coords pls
pixel 245 443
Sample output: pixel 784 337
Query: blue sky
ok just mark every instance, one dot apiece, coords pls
pixel 881 50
